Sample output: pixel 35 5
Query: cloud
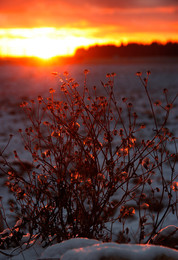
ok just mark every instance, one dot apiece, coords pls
pixel 133 3
pixel 123 16
pixel 84 22
pixel 23 5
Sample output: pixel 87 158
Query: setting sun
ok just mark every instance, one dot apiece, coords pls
pixel 44 42
pixel 48 42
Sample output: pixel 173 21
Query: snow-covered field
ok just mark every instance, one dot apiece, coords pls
pixel 18 83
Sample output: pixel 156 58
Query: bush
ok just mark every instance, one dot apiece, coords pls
pixel 90 168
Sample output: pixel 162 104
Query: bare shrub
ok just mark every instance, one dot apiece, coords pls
pixel 89 167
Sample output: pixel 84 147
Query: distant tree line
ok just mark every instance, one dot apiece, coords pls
pixel 130 50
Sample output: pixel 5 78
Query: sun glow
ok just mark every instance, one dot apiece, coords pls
pixel 48 42
pixel 43 42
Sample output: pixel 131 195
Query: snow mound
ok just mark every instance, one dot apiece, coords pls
pixel 87 249
pixel 168 236
pixel 57 250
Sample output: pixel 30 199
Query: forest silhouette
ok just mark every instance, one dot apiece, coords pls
pixel 106 53
pixel 131 50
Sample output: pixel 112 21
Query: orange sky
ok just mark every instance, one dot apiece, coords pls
pixel 47 28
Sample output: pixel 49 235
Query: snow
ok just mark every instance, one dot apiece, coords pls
pixel 168 231
pixel 60 249
pixel 31 253
pixel 134 252
pixel 18 82
pixel 166 236
pixel 82 248
pixel 87 249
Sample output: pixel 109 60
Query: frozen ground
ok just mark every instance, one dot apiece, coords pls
pixel 25 82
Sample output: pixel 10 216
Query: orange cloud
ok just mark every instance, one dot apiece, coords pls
pixel 59 13
pixel 87 22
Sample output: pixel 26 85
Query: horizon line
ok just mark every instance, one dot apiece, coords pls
pixel 86 48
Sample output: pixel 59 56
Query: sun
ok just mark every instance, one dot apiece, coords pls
pixel 43 42
pixel 46 48
pixel 35 42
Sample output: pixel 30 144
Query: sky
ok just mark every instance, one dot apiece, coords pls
pixel 57 27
